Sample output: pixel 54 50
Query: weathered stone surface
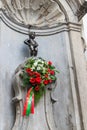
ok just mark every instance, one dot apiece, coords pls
pixel 37 13
pixel 80 74
pixel 68 107
pixel 14 52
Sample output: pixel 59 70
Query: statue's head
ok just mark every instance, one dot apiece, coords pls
pixel 32 35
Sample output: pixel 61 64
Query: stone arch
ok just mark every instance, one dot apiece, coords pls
pixel 21 28
pixel 45 14
pixel 70 16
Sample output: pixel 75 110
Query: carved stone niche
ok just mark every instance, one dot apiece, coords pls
pixel 38 13
pixel 43 117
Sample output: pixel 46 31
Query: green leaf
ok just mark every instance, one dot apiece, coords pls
pixel 57 71
pixel 52 67
pixel 38 95
pixel 53 77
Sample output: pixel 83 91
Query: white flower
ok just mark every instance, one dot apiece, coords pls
pixel 42 62
pixel 33 68
pixel 40 65
pixel 38 68
pixel 38 60
pixel 35 64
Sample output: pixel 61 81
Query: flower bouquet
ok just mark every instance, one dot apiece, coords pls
pixel 37 73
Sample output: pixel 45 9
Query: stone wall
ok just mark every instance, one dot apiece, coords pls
pixel 63 46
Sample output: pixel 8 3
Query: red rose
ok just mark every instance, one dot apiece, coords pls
pixel 37 88
pixel 32 80
pixel 38 80
pixel 37 74
pixel 49 63
pixel 52 72
pixel 28 70
pixel 50 81
pixel 49 70
pixel 30 73
pixel 46 82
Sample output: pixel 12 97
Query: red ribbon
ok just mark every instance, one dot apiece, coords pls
pixel 29 98
pixel 26 101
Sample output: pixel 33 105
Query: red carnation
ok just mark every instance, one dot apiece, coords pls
pixel 52 72
pixel 38 80
pixel 49 63
pixel 37 88
pixel 46 82
pixel 32 80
